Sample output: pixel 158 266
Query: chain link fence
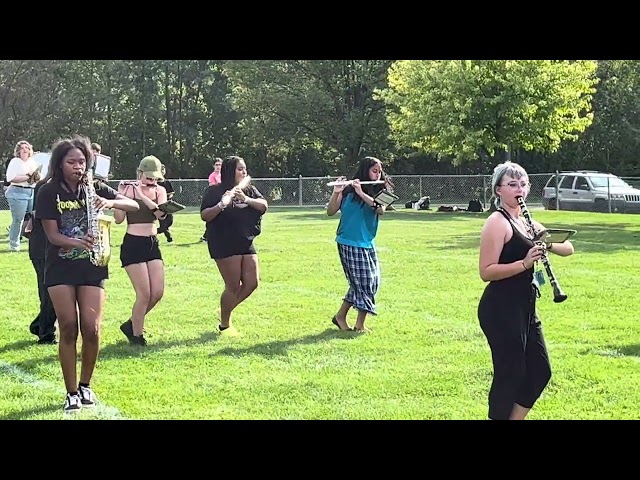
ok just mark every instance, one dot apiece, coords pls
pixel 454 190
pixel 313 191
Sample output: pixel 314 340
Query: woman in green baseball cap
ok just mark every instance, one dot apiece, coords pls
pixel 151 167
pixel 140 251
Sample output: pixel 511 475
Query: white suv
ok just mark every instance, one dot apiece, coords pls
pixel 589 190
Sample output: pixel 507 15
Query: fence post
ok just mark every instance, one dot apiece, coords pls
pixel 609 193
pixel 557 191
pixel 300 190
pixel 484 191
pixel 420 196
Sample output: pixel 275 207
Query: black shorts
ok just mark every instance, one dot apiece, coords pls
pixel 137 249
pixel 85 283
pixel 217 253
pixel 76 273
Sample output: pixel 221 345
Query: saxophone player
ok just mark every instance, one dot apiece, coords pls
pixel 507 309
pixel 74 283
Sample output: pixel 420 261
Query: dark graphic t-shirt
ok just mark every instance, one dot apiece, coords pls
pixel 70 213
pixel 235 228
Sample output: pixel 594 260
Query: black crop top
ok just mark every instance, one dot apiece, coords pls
pixel 143 215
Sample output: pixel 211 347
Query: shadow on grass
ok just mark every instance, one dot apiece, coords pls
pixel 20 344
pixel 631 350
pixel 611 237
pixel 121 349
pixel 409 215
pixel 281 347
pixel 615 351
pixel 23 414
pixel 188 244
pixel 591 238
pixel 124 349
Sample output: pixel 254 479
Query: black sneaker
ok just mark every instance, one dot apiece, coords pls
pixel 87 397
pixel 48 340
pixel 72 403
pixel 34 328
pixel 127 329
pixel 169 237
pixel 138 340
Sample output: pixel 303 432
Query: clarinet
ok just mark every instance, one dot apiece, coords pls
pixel 558 295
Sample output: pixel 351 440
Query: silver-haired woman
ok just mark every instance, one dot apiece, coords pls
pixel 507 309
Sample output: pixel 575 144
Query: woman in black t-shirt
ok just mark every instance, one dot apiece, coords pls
pixel 76 285
pixel 231 228
pixel 44 325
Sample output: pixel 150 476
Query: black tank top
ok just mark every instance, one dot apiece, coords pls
pixel 514 250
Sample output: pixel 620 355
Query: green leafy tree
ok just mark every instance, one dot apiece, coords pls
pixel 292 106
pixel 464 109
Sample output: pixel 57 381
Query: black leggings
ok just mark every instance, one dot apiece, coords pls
pixel 44 325
pixel 165 223
pixel 521 367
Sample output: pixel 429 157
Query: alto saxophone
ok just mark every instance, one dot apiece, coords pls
pixel 99 225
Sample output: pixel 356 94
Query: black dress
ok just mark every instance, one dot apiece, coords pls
pixel 507 315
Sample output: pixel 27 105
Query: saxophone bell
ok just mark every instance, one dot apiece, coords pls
pixel 99 225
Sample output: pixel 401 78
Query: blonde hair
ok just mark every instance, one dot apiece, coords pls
pixel 510 169
pixel 16 151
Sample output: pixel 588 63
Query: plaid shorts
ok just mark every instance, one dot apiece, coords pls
pixel 362 270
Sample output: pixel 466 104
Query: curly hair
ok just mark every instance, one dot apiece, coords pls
pixel 16 151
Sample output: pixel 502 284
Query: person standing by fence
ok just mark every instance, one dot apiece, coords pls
pixel 167 221
pixel 22 176
pixel 215 178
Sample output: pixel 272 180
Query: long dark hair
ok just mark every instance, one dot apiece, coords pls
pixel 362 174
pixel 60 150
pixel 228 171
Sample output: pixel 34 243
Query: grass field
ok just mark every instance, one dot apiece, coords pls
pixel 425 359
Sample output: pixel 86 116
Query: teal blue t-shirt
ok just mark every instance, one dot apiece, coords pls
pixel 358 223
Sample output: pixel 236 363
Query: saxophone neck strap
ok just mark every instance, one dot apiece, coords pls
pixel 71 190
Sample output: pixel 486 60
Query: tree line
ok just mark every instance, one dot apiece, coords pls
pixel 319 117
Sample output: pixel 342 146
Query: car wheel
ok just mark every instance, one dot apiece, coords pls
pixel 600 205
pixel 551 204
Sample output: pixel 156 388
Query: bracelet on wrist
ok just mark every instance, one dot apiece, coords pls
pixel 524 265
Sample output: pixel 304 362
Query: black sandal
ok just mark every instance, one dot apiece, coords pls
pixel 334 320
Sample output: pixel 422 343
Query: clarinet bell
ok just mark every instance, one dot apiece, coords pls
pixel 559 296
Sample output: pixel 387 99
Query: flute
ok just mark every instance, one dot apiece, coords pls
pixel 244 183
pixel 349 182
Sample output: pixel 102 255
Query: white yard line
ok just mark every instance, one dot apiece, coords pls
pixel 100 411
